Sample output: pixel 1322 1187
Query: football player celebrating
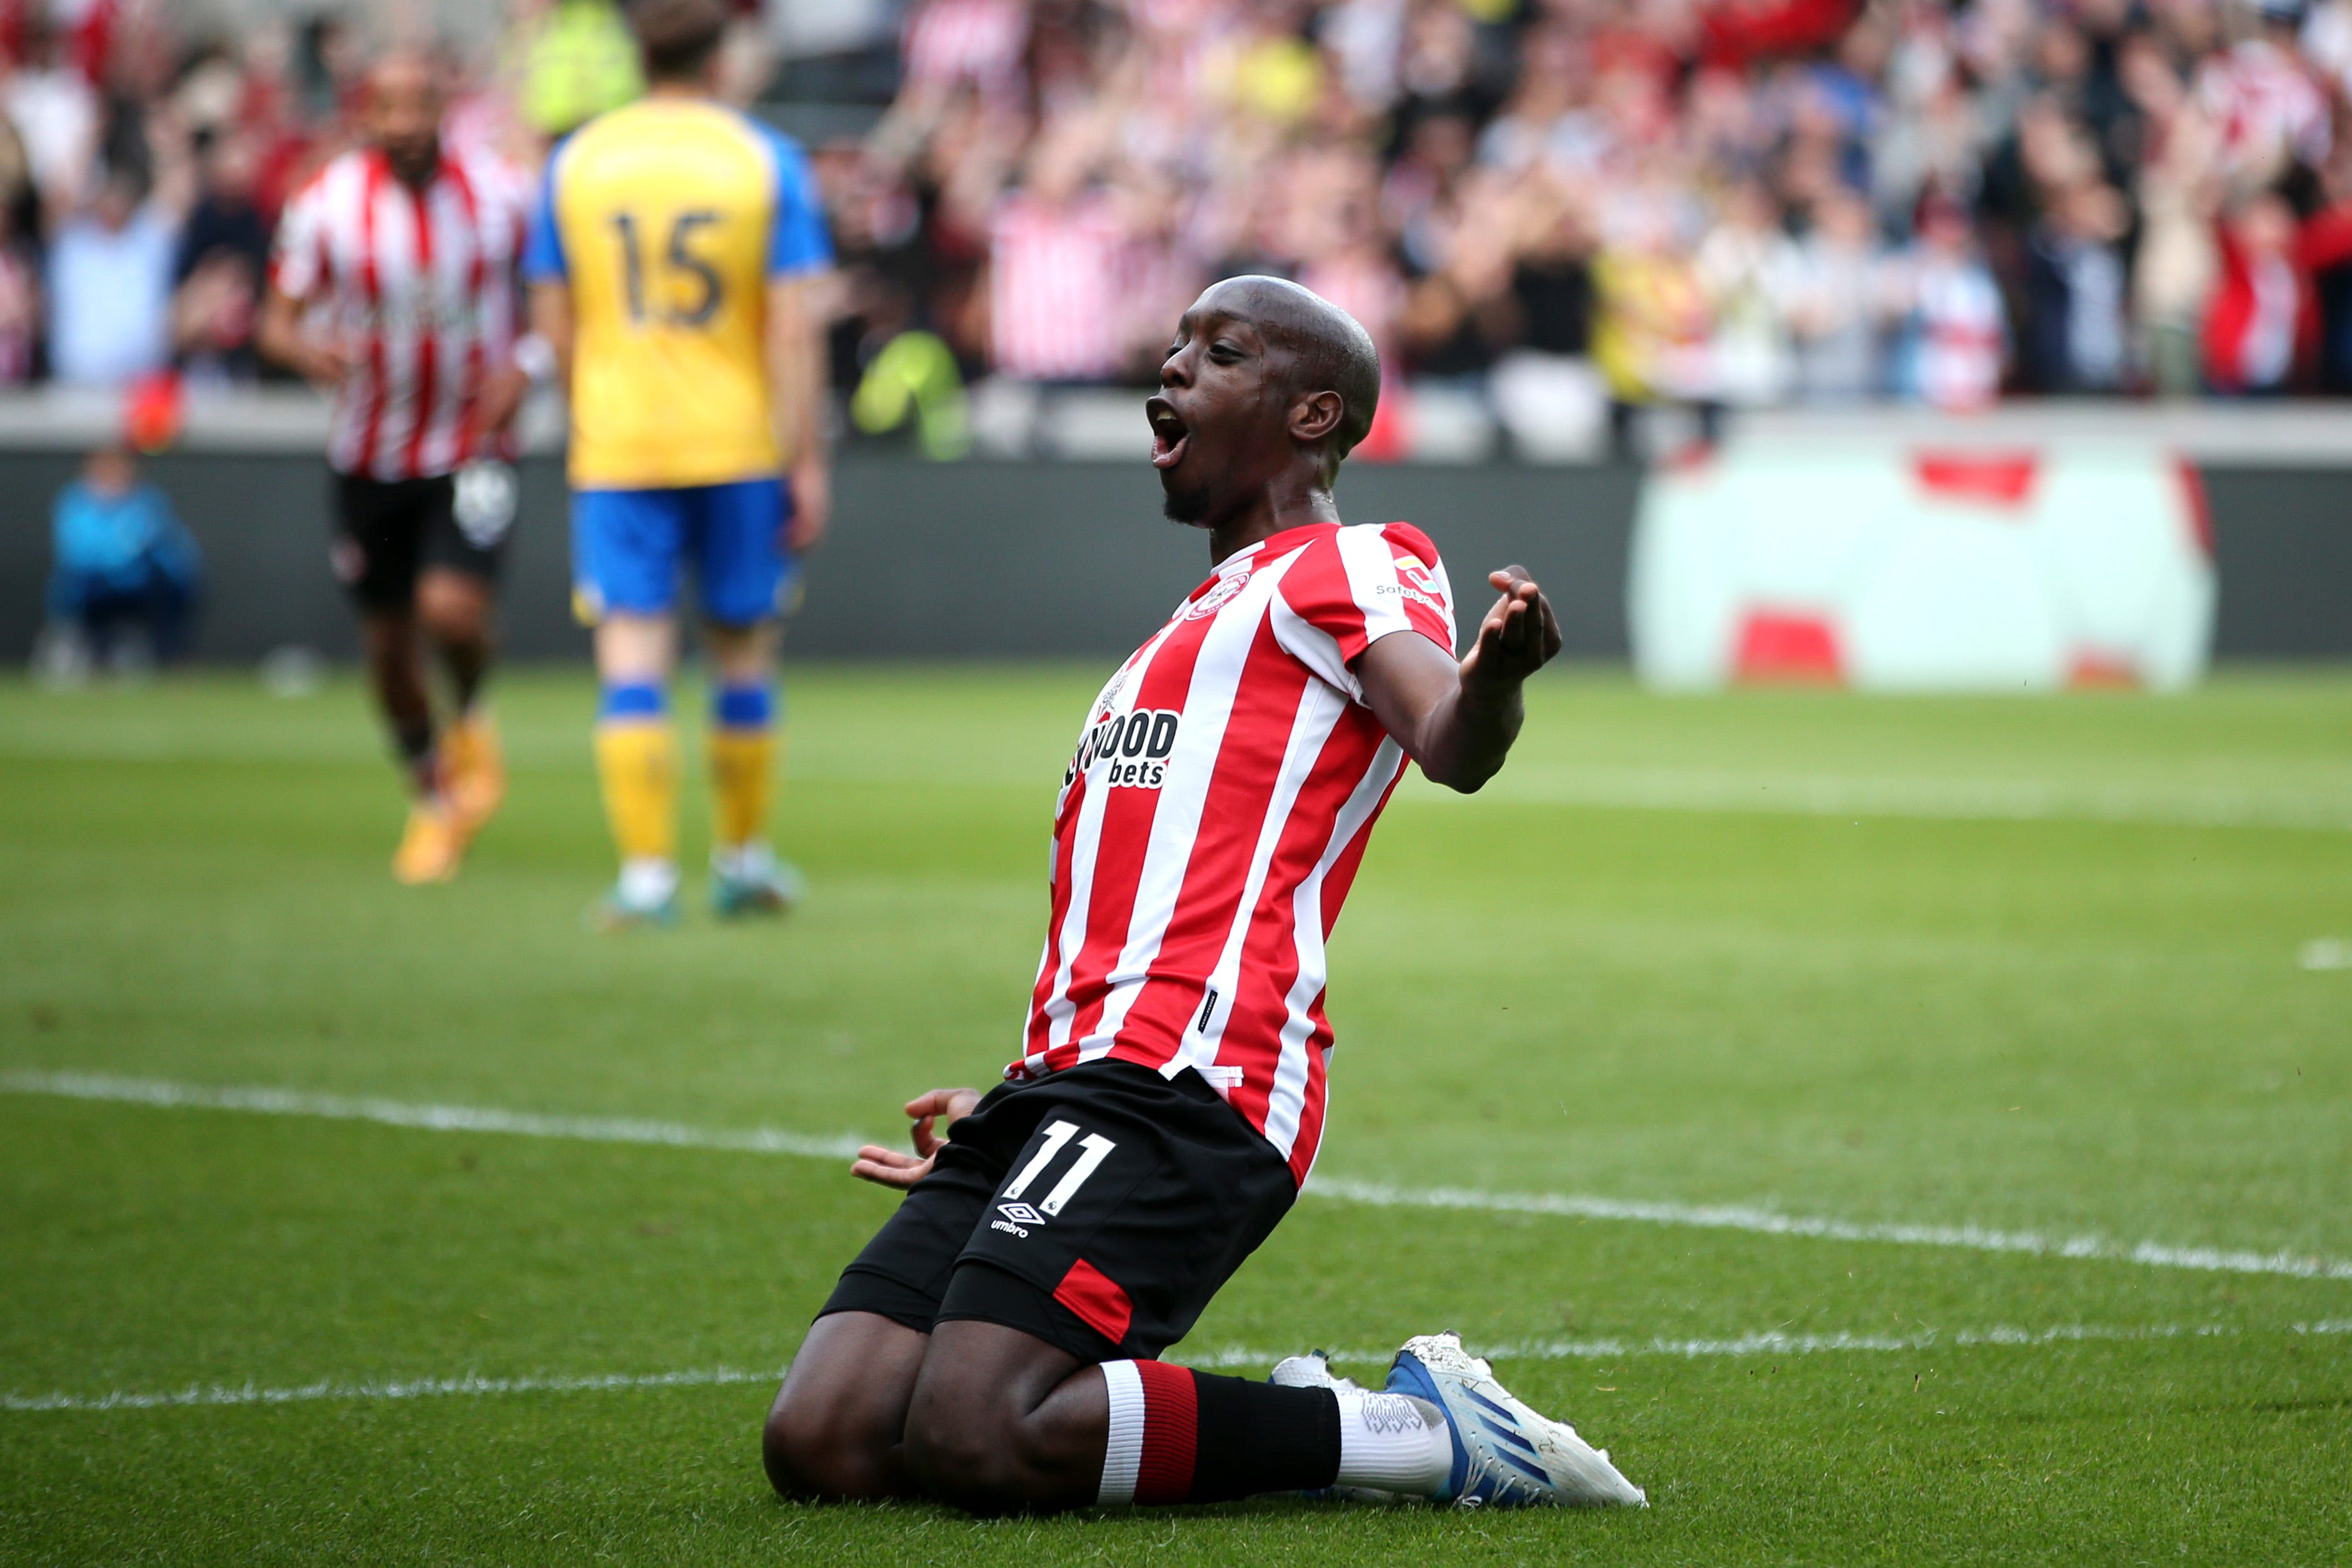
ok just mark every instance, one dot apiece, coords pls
pixel 672 262
pixel 995 1345
pixel 392 288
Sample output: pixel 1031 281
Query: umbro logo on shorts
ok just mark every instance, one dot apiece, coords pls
pixel 1020 1214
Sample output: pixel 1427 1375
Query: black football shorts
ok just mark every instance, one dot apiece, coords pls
pixel 1096 1208
pixel 387 531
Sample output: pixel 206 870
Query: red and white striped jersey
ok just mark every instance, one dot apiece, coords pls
pixel 1212 819
pixel 1055 287
pixel 418 287
pixel 979 41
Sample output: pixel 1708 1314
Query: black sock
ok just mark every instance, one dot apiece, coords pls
pixel 1257 1436
pixel 1181 1435
pixel 414 740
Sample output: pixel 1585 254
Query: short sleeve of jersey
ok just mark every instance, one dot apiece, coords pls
pixel 542 246
pixel 298 259
pixel 1347 590
pixel 798 243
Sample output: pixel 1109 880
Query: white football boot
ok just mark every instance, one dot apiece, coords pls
pixel 1505 1455
pixel 1312 1370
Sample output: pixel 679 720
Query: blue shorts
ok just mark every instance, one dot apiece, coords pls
pixel 627 546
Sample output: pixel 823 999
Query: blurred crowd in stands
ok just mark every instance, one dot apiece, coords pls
pixel 1565 201
pixel 1563 207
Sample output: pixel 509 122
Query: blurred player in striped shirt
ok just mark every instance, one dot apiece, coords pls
pixel 393 289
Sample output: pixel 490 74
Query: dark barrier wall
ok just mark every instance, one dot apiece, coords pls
pixel 981 560
pixel 2282 547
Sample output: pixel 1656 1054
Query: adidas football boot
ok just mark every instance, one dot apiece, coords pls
pixel 1505 1455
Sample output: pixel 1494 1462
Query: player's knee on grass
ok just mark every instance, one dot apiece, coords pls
pixel 991 1438
pixel 836 1426
pixel 820 1448
pixel 974 1452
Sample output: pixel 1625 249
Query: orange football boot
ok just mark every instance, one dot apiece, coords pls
pixel 474 771
pixel 431 846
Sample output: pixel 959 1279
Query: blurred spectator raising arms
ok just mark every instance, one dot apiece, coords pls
pixel 219 270
pixel 110 279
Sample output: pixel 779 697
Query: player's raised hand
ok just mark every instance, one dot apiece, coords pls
pixel 1519 634
pixel 932 1113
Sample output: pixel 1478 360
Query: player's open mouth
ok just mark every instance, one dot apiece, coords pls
pixel 1169 433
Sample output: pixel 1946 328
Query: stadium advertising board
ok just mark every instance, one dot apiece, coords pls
pixel 1906 568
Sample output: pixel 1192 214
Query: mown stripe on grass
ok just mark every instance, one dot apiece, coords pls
pixel 1768 1343
pixel 1574 1206
pixel 1944 800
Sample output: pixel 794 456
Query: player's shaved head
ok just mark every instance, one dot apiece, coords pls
pixel 1326 349
pixel 404 73
pixel 1267 387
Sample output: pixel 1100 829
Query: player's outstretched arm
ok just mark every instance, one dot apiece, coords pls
pixel 1458 720
pixel 932 1113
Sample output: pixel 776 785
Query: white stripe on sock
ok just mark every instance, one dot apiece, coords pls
pixel 1123 1453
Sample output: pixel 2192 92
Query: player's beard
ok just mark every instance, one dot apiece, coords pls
pixel 413 162
pixel 1185 506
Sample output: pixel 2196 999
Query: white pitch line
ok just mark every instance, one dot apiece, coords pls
pixel 1574 1205
pixel 1766 1344
pixel 1770 1222
pixel 1774 1343
pixel 427 1118
pixel 420 1389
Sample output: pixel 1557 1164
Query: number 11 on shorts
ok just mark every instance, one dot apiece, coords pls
pixel 1094 1148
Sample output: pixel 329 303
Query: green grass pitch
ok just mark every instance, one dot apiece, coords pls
pixel 2051 967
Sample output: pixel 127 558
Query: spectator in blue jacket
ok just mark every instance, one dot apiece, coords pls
pixel 126 579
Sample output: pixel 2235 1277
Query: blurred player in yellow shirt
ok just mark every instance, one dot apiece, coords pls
pixel 672 261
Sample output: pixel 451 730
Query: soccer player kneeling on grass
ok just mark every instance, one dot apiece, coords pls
pixel 995 1345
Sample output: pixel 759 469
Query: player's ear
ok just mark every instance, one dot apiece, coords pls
pixel 1316 415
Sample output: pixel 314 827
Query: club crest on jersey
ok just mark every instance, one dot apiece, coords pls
pixel 1217 598
pixel 1133 747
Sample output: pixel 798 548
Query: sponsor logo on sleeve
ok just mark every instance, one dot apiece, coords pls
pixel 1415 582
